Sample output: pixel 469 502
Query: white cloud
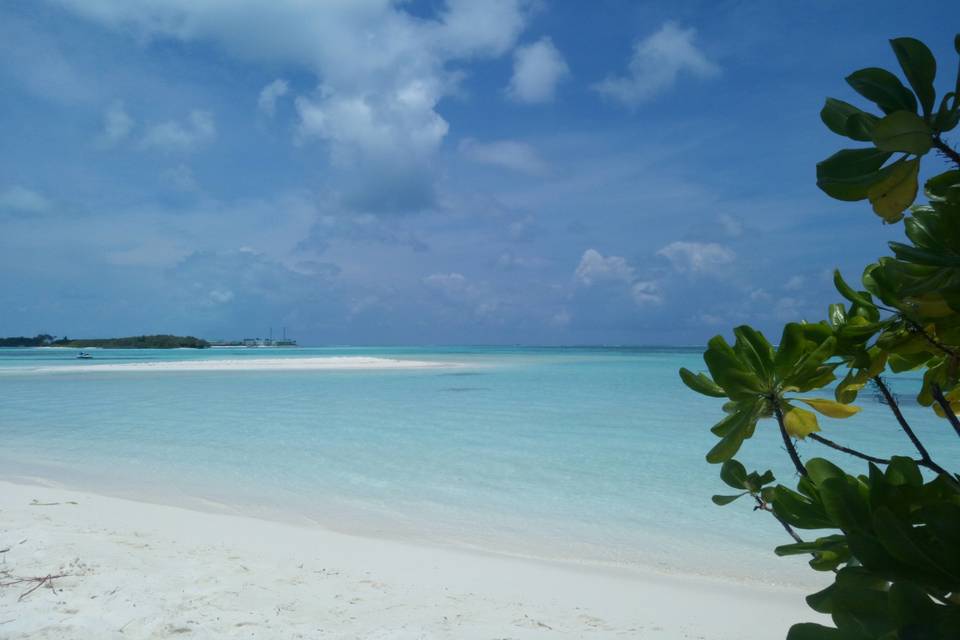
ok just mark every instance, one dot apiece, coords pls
pixel 381 71
pixel 221 296
pixel 560 319
pixel 451 284
pixel 730 225
pixel 363 127
pixel 597 269
pixel 41 63
pixel 23 200
pixel 696 257
pixel 509 261
pixel 174 136
pixel 788 308
pixel 656 63
pixel 117 123
pixel 458 291
pixel 508 154
pixel 267 101
pixel 537 70
pixel 594 267
pixel 795 283
pixel 646 292
pixel 180 178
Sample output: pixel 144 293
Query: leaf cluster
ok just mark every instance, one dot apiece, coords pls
pixel 891 535
pixel 911 122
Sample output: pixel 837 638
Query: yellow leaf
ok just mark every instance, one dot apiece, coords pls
pixel 830 408
pixel 896 192
pixel 799 422
pixel 937 409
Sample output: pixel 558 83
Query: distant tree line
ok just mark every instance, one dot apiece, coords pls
pixel 163 341
pixel 41 340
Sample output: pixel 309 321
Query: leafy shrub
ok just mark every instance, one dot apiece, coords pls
pixel 892 533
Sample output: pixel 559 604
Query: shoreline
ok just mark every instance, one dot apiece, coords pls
pixel 327 363
pixel 153 570
pixel 351 525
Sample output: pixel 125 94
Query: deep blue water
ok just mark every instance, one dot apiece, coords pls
pixel 586 454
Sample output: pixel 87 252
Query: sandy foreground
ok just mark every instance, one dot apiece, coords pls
pixel 332 363
pixel 140 570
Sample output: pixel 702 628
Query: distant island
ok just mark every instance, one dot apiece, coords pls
pixel 163 341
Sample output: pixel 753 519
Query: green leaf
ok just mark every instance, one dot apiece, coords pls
pixel 843 503
pixel 765 478
pixel 754 349
pixel 822 601
pixel 943 187
pixel 820 470
pixel 701 384
pixel 734 474
pixel 837 315
pixel 796 509
pixel 910 606
pixel 725 500
pixel 728 446
pixel 896 538
pixel 903 131
pixel 920 68
pixel 848 292
pixel 847 120
pixel 799 423
pixel 849 173
pixel 921 256
pixel 730 372
pixel 948 115
pixel 738 428
pixel 903 471
pixel 882 88
pixel 830 408
pixel 813 631
pixel 897 191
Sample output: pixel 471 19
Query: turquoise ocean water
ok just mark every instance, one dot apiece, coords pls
pixel 582 454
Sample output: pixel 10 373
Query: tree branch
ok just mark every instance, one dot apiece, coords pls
pixel 853 452
pixel 929 338
pixel 925 459
pixel 763 506
pixel 946 150
pixel 945 405
pixel 788 443
pixel 895 408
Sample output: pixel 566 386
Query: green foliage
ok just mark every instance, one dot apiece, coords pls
pixel 890 534
pixel 137 342
pixel 41 340
pixel 863 173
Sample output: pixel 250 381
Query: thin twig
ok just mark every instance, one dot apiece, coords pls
pixel 791 449
pixel 40 581
pixel 763 506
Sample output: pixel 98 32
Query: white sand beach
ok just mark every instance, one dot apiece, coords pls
pixel 139 570
pixel 330 363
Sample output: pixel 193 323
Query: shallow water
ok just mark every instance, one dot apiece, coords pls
pixel 592 455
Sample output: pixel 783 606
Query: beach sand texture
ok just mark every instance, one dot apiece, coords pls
pixel 140 570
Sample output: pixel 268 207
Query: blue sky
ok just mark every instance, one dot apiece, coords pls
pixel 376 172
